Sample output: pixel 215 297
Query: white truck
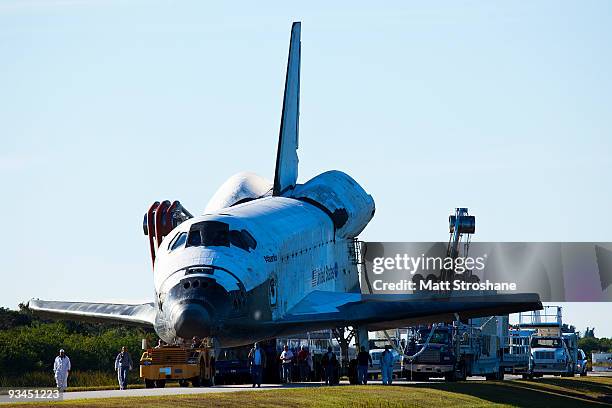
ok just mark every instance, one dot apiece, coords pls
pixel 377 347
pixel 553 347
pixel 553 355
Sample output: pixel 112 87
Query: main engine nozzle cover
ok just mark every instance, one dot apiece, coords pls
pixel 342 198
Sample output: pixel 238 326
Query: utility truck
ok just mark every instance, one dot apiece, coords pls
pixel 456 351
pixel 553 345
pixel 178 363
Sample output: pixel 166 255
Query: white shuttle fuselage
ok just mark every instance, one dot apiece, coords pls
pixel 245 287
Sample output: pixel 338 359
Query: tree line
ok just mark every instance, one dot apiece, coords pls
pixel 593 344
pixel 28 343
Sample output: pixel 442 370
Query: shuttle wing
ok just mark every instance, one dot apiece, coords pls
pixel 387 311
pixel 286 172
pixel 137 315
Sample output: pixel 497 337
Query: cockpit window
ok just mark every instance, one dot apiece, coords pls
pixel 179 241
pixel 242 239
pixel 248 238
pixel 194 238
pixel 217 233
pixel 236 239
pixel 209 233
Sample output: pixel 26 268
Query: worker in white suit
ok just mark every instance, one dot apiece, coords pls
pixel 386 365
pixel 61 369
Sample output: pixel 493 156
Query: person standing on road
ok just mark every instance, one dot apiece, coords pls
pixel 310 363
pixel 386 365
pixel 329 361
pixel 61 369
pixel 123 364
pixel 257 361
pixel 363 358
pixel 286 358
pixel 303 366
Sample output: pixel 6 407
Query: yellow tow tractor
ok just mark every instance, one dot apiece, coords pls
pixel 172 363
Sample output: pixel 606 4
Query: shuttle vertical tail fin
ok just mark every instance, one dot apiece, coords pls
pixel 285 176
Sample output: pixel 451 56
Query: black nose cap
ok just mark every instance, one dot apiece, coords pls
pixel 191 320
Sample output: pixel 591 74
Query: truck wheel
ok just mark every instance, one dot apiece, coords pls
pixel 208 382
pixel 457 375
pixel 183 383
pixel 498 376
pixel 149 383
pixel 160 383
pixel 199 381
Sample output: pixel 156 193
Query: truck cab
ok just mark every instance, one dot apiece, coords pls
pixel 438 358
pixel 550 355
pixel 457 351
pixel 232 366
pixel 553 345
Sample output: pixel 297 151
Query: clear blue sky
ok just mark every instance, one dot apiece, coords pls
pixel 109 105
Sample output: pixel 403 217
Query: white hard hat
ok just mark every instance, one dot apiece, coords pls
pixel 62 351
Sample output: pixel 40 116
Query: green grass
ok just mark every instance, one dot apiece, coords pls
pixel 548 392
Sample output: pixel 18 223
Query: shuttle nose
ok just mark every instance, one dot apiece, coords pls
pixel 191 320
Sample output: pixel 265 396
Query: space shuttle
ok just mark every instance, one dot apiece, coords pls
pixel 269 259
